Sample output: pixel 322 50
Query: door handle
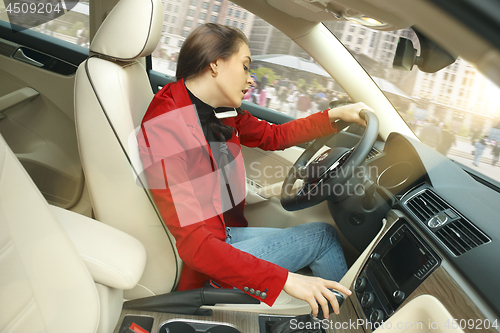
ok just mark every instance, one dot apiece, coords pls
pixel 19 55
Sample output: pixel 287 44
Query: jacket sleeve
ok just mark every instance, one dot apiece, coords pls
pixel 190 215
pixel 259 133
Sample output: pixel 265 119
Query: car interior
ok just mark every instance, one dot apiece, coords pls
pixel 83 247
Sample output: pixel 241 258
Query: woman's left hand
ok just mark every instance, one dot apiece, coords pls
pixel 349 113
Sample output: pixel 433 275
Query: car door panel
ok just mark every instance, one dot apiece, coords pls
pixel 37 112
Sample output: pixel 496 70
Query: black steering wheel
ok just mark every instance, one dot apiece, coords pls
pixel 330 169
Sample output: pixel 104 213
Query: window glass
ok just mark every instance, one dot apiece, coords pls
pixel 72 27
pixel 458 102
pixel 455 110
pixel 278 86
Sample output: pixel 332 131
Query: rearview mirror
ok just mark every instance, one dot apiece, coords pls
pixel 432 57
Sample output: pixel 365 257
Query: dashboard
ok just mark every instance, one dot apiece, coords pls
pixel 443 223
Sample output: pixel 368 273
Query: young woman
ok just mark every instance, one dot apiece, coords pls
pixel 190 148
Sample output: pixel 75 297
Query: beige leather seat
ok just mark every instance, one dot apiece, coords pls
pixel 112 94
pixel 50 282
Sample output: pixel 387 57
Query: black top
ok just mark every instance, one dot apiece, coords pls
pixel 220 151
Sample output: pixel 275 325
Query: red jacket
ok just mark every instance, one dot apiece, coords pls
pixel 186 187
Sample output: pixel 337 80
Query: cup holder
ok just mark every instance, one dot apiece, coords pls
pixel 192 326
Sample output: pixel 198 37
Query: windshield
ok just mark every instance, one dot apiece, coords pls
pixel 455 110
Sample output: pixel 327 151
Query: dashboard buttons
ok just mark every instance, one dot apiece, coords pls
pixel 426 268
pixel 377 316
pixel 367 300
pixel 397 235
pixel 398 296
pixel 360 284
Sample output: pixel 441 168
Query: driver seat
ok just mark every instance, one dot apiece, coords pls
pixel 112 94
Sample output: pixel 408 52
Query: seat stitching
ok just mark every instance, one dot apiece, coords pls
pixel 17 319
pixel 148 194
pixel 106 265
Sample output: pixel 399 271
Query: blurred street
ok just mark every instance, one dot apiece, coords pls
pixel 462 153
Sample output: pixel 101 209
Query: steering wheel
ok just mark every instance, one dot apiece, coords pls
pixel 330 169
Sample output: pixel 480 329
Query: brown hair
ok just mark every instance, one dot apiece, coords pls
pixel 206 43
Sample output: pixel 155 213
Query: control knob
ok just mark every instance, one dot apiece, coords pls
pixel 377 316
pixel 360 284
pixel 398 296
pixel 367 300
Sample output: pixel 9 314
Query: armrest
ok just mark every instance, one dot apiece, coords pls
pixel 16 97
pixel 113 258
pixel 189 302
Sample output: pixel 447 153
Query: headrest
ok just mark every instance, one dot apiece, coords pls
pixel 131 30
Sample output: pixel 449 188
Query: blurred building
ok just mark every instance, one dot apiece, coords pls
pixel 458 96
pixel 181 17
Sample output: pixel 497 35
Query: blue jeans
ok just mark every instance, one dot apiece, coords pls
pixel 315 245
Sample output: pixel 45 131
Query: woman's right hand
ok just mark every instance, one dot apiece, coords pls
pixel 349 113
pixel 314 290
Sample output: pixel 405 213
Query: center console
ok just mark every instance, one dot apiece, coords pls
pixel 396 267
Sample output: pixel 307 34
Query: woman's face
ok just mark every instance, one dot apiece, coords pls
pixel 233 79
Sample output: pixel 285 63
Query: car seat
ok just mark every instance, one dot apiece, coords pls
pixel 61 271
pixel 112 93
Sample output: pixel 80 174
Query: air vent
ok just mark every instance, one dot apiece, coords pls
pixel 461 236
pixel 426 204
pixel 458 235
pixel 373 152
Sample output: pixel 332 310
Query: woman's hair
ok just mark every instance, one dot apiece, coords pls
pixel 205 44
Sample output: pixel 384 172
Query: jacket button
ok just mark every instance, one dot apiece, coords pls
pixel 257 292
pixel 263 295
pixel 246 289
pixel 252 291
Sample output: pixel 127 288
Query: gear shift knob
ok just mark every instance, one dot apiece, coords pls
pixel 340 300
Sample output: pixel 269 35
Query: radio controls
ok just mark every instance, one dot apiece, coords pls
pixel 360 284
pixel 397 235
pixel 398 296
pixel 377 316
pixel 367 300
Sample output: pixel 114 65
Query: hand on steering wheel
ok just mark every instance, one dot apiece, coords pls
pixel 349 113
pixel 333 167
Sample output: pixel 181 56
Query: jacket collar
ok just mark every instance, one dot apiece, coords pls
pixel 178 93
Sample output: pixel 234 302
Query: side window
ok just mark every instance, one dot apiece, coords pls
pixel 72 26
pixel 286 80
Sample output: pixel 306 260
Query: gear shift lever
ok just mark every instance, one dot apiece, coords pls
pixel 340 300
pixel 369 200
